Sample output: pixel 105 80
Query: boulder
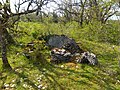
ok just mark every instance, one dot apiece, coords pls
pixel 88 58
pixel 62 41
pixel 59 55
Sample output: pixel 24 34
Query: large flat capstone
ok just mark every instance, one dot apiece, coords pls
pixel 62 41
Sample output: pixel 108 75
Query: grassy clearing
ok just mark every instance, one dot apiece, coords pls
pixel 37 73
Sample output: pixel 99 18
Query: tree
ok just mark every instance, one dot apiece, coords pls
pixel 100 10
pixel 65 9
pixel 87 10
pixel 55 17
pixel 6 21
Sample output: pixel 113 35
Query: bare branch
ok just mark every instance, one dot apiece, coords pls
pixel 110 15
pixel 25 12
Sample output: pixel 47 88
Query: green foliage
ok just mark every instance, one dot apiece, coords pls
pixel 95 31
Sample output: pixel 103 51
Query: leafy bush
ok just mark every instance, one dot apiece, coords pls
pixel 95 31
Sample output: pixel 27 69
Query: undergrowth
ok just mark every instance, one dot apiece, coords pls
pixel 36 72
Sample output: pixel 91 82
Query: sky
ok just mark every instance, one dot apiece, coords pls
pixel 50 7
pixel 114 17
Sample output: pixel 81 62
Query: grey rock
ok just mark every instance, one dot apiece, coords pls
pixel 60 55
pixel 88 58
pixel 62 41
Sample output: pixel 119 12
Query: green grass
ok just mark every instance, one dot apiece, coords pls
pixel 38 73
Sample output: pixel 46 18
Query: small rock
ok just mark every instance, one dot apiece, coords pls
pixel 88 58
pixel 40 86
pixel 62 66
pixel 6 85
pixel 77 67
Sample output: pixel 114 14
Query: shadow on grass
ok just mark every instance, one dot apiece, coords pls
pixel 54 73
pixel 101 78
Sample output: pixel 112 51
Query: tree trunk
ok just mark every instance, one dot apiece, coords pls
pixel 4 51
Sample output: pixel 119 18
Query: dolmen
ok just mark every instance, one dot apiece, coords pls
pixel 64 49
